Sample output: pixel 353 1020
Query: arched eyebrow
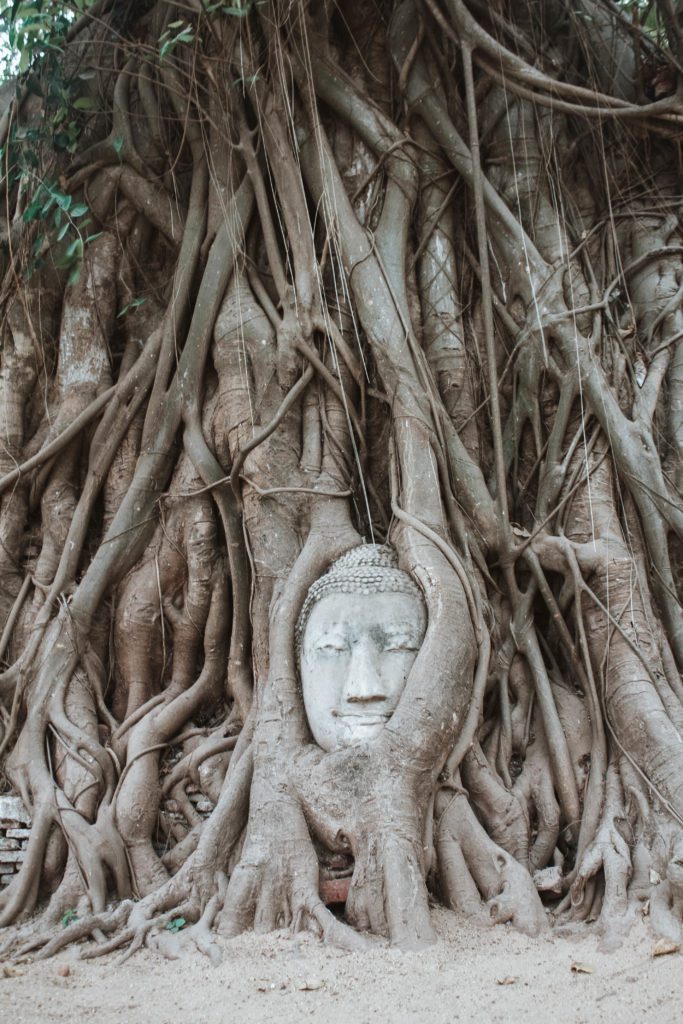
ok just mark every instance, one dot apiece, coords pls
pixel 335 633
pixel 397 631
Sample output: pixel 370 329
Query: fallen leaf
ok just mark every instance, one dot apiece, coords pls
pixel 520 531
pixel 579 968
pixel 63 970
pixel 655 877
pixel 664 946
pixel 507 980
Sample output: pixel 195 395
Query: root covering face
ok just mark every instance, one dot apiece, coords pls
pixel 302 304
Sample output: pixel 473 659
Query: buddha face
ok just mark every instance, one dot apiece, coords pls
pixel 357 651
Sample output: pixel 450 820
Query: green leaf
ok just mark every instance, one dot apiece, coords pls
pixel 75 250
pixel 62 231
pixel 84 103
pixel 175 924
pixel 74 275
pixel 133 304
pixel 118 144
pixel 69 918
pixel 79 209
pixel 185 35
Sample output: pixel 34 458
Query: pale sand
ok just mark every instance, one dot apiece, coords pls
pixel 289 978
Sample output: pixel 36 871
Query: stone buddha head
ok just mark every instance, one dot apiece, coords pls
pixel 358 634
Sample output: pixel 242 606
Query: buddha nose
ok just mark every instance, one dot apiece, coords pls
pixel 363 682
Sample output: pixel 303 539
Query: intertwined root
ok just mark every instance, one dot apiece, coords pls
pixel 478 877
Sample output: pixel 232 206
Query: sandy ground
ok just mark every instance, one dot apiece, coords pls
pixel 493 975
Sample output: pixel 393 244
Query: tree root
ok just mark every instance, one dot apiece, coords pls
pixel 477 876
pixel 608 853
pixel 666 901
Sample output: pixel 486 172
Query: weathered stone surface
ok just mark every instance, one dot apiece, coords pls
pixel 11 856
pixel 18 833
pixel 8 844
pixel 361 627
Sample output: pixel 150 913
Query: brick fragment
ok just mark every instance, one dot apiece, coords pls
pixel 13 811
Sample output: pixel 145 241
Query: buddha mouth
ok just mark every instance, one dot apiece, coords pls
pixel 358 719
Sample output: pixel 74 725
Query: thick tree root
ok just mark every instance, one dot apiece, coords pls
pixel 477 876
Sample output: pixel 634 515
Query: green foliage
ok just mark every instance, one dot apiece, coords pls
pixel 36 27
pixel 37 31
pixel 645 13
pixel 175 924
pixel 69 918
pixel 55 210
pixel 176 33
pixel 133 304
pixel 240 9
